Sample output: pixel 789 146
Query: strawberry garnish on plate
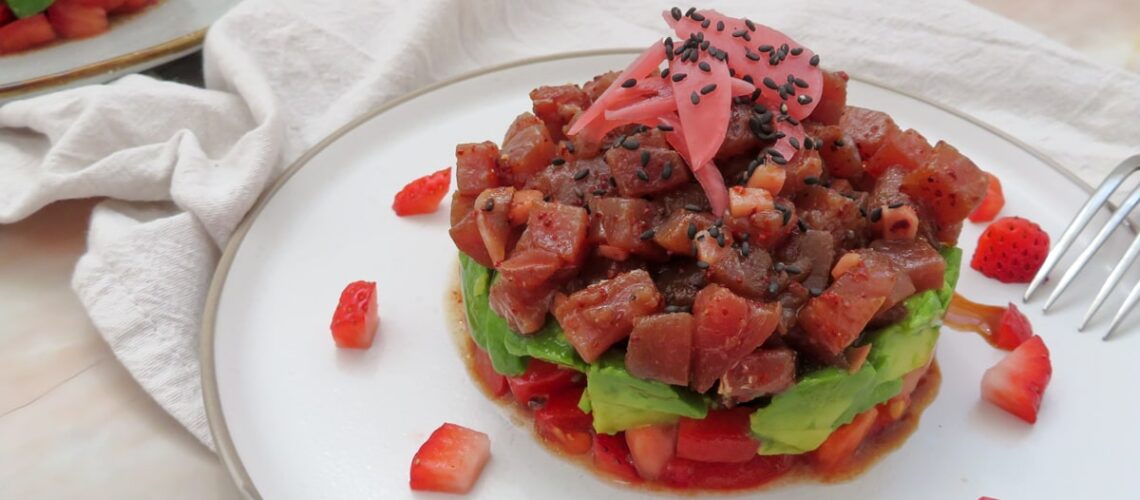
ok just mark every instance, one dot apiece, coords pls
pixel 451 460
pixel 1013 329
pixel 1017 383
pixel 423 195
pixel 1011 250
pixel 355 320
pixel 991 204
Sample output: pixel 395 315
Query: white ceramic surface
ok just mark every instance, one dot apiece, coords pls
pixel 310 421
pixel 168 20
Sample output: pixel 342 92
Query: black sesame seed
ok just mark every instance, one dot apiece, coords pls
pixel 696 16
pixel 739 33
pixel 747 37
pixel 714 231
pixel 752 56
pixel 815 291
pixel 707 89
pixel 557 161
pixel 774 59
pixel 644 158
pixel 814 60
pixel 667 171
pixel 547 198
pixel 797 51
pixel 647 235
pixel 793 270
pixel 755 94
pixel 664 72
pixel 750 24
pixel 804 99
pixel 705 24
pixel 630 143
pixel 720 240
pixel 642 175
pixel 779 267
pixel 808 143
pixel 896 204
pixel 570 147
pixel 704 66
pixel 801 83
pixel 764 48
pixel 581 174
pixel 802 225
pixel 676 13
pixel 719 222
pixel 599 192
pixel 704 45
pixel 692 233
pixel 840 143
pixel 795 143
pixel 689 13
pixel 876 214
pixel 702 264
pixel 788 88
pixel 779 160
pixel 672 309
pixel 774 287
pixel 693 208
pixel 679 76
pixel 696 99
pixel 613 181
pixel 629 83
pixel 720 25
pixel 745 249
pixel 489 206
pixel 664 128
pixel 787 213
pixel 770 83
pixel 579 193
pixel 793 120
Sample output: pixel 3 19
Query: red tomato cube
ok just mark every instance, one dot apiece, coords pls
pixel 355 321
pixel 451 460
pixel 722 436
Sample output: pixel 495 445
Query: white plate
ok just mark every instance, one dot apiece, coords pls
pixel 297 418
pixel 162 33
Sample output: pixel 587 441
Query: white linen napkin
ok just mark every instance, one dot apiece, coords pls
pixel 182 165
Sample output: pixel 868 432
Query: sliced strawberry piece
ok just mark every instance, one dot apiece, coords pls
pixel 540 380
pixel 611 456
pixel 495 383
pixel 451 460
pixel 355 320
pixel 423 195
pixel 651 447
pixel 1011 250
pixel 1013 330
pixel 991 204
pixel 722 436
pixel 1017 383
pixel 562 423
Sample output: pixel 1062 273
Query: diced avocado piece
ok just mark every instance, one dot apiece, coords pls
pixel 488 329
pixel 27 8
pixel 548 344
pixel 953 257
pixel 800 419
pixel 620 401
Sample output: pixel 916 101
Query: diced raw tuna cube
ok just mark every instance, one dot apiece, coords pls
pixel 728 328
pixel 603 314
pixel 806 165
pixel 467 239
pixel 907 149
pixel 559 229
pixel 574 183
pixel 623 223
pixel 739 138
pixel 492 214
pixel 524 309
pixel 476 167
pixel 660 348
pixel 835 319
pixel 917 259
pixel 557 105
pixel 646 170
pixel 826 209
pixel 760 373
pixel 833 100
pixel 948 185
pixel 868 128
pixel 527 149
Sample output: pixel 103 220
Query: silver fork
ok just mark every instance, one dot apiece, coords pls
pixel 1079 223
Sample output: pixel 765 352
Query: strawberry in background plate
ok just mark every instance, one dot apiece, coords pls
pixel 1017 383
pixel 1011 250
pixel 355 321
pixel 451 460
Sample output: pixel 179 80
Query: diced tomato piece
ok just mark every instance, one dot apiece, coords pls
pixel 660 348
pixel 423 195
pixel 563 424
pixel 844 441
pixel 23 34
pixel 869 128
pixel 72 19
pixel 833 100
pixel 682 473
pixel 651 447
pixel 451 460
pixel 1017 383
pixel 495 383
pixel 993 202
pixel 6 15
pixel 611 456
pixel 907 149
pixel 476 167
pixel 1013 329
pixel 722 436
pixel 355 321
pixel 540 380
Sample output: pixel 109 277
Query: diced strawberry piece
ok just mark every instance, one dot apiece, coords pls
pixel 23 34
pixel 540 380
pixel 611 456
pixel 1011 250
pixel 682 473
pixel 562 423
pixel 495 383
pixel 992 203
pixel 355 321
pixel 844 441
pixel 451 460
pixel 423 195
pixel 722 436
pixel 651 447
pixel 1017 383
pixel 1014 329
pixel 73 19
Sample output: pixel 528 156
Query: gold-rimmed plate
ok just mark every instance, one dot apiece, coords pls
pixel 162 33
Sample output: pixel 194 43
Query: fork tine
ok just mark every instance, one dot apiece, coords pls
pixel 1113 279
pixel 1094 247
pixel 1129 304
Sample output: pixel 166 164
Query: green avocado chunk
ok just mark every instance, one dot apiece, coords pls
pixel 620 401
pixel 26 8
pixel 507 348
pixel 801 418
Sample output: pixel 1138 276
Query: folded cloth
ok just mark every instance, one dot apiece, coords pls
pixel 182 165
